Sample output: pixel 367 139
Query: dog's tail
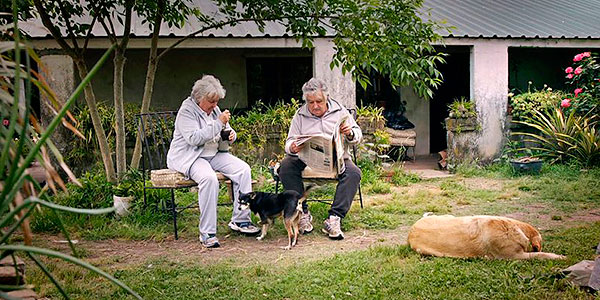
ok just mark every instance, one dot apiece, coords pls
pixel 305 195
pixel 427 214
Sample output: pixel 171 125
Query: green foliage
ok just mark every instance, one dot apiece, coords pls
pixel 525 104
pixel 403 178
pixel 563 136
pixel 370 113
pixel 85 150
pixel 392 37
pixel 462 108
pixel 20 194
pixel 260 125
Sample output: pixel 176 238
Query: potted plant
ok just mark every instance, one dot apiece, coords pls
pixel 462 116
pixel 527 164
pixel 123 196
pixel 370 119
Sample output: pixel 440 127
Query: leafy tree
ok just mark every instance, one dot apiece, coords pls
pixel 387 36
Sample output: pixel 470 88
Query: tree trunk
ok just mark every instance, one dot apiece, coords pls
pixel 90 99
pixel 149 85
pixel 119 64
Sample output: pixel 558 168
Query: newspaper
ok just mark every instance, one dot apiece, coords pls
pixel 323 153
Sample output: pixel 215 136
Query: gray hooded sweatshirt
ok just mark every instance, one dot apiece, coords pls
pixel 193 129
pixel 305 123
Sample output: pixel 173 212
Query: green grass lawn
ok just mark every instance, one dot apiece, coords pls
pixel 558 201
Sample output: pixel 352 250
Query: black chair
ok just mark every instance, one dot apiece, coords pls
pixel 273 172
pixel 156 130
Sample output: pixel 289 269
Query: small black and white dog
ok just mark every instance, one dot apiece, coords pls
pixel 269 206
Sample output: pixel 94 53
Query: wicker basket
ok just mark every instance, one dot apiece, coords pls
pixel 169 178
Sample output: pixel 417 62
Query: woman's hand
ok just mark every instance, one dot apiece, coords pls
pixel 225 116
pixel 231 136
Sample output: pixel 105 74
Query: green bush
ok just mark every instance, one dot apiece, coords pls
pixel 83 151
pixel 564 136
pixel 524 105
pixel 260 125
pixel 462 108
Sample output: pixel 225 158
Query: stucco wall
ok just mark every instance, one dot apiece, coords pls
pixel 489 90
pixel 417 112
pixel 341 87
pixel 176 75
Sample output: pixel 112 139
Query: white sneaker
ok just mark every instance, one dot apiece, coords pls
pixel 244 227
pixel 332 227
pixel 305 224
pixel 209 241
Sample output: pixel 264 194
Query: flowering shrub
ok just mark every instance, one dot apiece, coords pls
pixel 583 78
pixel 525 104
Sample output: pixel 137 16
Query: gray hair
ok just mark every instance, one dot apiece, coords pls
pixel 314 85
pixel 208 86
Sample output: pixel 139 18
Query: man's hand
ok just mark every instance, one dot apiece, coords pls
pixel 295 148
pixel 225 116
pixel 231 136
pixel 346 130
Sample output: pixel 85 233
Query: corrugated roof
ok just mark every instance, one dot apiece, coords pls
pixel 470 18
pixel 36 29
pixel 519 18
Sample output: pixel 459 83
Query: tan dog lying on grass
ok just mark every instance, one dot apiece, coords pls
pixel 477 236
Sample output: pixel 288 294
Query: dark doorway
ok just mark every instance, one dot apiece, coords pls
pixel 456 73
pixel 379 93
pixel 540 66
pixel 271 79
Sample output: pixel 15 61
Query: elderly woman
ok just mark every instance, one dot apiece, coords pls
pixel 194 151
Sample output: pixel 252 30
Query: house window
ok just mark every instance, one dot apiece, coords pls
pixel 271 79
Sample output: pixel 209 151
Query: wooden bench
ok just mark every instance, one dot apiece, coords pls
pixel 156 129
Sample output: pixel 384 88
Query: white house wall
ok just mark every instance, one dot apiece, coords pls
pixel 224 57
pixel 489 88
pixel 341 87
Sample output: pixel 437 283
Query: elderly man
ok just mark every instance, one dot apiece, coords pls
pixel 318 116
pixel 194 151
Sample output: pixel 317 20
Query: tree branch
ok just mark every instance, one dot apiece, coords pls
pixel 68 24
pixel 233 22
pixel 127 29
pixel 53 30
pixel 89 33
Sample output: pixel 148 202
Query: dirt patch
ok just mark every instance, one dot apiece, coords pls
pixel 483 184
pixel 545 221
pixel 112 253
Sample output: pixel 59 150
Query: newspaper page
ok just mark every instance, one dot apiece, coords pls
pixel 338 142
pixel 323 153
pixel 317 153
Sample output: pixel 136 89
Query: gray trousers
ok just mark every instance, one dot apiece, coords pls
pixel 290 173
pixel 202 172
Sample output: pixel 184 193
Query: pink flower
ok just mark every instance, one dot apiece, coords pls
pixel 565 103
pixel 570 76
pixel 578 70
pixel 586 54
pixel 5 122
pixel 578 57
pixel 578 91
pixel 569 70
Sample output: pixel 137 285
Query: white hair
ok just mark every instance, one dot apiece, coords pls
pixel 207 86
pixel 313 86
